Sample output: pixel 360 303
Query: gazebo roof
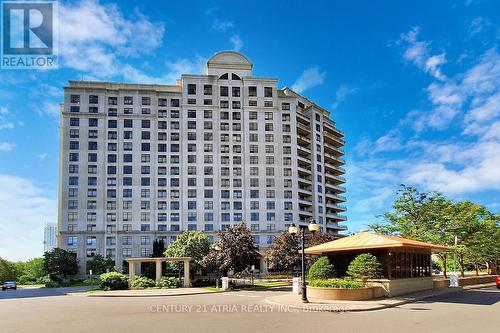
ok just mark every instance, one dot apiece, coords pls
pixel 367 241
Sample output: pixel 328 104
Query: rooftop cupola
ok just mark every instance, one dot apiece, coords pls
pixel 230 62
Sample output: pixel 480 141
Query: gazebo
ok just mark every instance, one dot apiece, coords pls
pixel 133 261
pixel 406 264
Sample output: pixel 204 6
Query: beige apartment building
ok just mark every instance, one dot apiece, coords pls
pixel 141 162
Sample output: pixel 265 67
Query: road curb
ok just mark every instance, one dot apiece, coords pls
pixel 345 308
pixel 103 294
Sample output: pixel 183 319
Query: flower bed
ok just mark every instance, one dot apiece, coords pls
pixel 338 289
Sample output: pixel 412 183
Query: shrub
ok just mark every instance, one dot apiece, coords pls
pixel 65 283
pixel 113 281
pixel 276 277
pixel 51 284
pixel 364 266
pixel 336 283
pixel 168 282
pixel 142 282
pixel 91 282
pixel 321 269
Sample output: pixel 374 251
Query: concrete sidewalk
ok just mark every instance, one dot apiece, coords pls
pixel 294 301
pixel 147 292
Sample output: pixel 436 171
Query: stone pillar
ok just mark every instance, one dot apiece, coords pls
pixel 263 265
pixel 158 270
pixel 131 271
pixel 187 278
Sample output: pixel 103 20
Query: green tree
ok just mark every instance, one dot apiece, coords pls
pixel 237 251
pixel 99 265
pixel 283 254
pixel 31 270
pixel 424 216
pixel 60 262
pixel 158 248
pixel 8 270
pixel 194 244
pixel 364 266
pixel 321 269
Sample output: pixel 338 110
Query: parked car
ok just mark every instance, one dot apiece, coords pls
pixel 436 271
pixel 498 282
pixel 9 285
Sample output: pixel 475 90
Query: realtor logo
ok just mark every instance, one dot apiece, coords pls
pixel 29 35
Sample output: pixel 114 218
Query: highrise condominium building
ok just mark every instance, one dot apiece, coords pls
pixel 49 236
pixel 141 162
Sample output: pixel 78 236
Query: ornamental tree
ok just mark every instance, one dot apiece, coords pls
pixel 60 262
pixel 365 266
pixel 194 244
pixel 237 250
pixel 283 254
pixel 99 265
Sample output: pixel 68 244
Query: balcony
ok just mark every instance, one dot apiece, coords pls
pixel 334 178
pixel 336 207
pixel 304 202
pixel 304 160
pixel 305 212
pixel 335 216
pixel 303 170
pixel 303 118
pixel 306 151
pixel 336 197
pixel 303 140
pixel 304 128
pixel 332 128
pixel 335 187
pixel 334 139
pixel 305 180
pixel 336 226
pixel 305 190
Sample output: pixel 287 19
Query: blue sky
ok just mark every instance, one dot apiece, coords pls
pixel 415 87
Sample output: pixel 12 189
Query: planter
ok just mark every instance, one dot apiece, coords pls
pixel 345 294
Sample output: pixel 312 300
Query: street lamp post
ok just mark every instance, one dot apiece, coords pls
pixel 217 279
pixel 293 230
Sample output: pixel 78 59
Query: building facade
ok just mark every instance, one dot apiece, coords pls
pixel 141 162
pixel 49 236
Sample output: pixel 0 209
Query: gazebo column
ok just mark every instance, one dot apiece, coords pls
pixel 131 271
pixel 158 269
pixel 187 279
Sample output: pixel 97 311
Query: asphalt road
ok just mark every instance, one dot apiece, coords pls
pixel 245 311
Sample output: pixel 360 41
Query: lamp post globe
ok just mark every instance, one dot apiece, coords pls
pixel 313 227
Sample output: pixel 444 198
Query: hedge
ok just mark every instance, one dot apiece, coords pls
pixel 336 283
pixel 114 281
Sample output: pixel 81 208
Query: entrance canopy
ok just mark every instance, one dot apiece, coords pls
pixel 365 241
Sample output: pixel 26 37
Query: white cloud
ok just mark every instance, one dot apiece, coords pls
pixel 222 25
pixel 51 109
pixel 42 156
pixel 5 146
pixel 310 78
pixel 478 24
pixel 5 123
pixel 342 92
pixel 236 42
pixel 455 165
pixel 418 52
pixel 25 208
pixel 391 141
pixel 94 37
pixel 174 71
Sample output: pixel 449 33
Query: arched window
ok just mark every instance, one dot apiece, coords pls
pixel 235 77
pixel 224 76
